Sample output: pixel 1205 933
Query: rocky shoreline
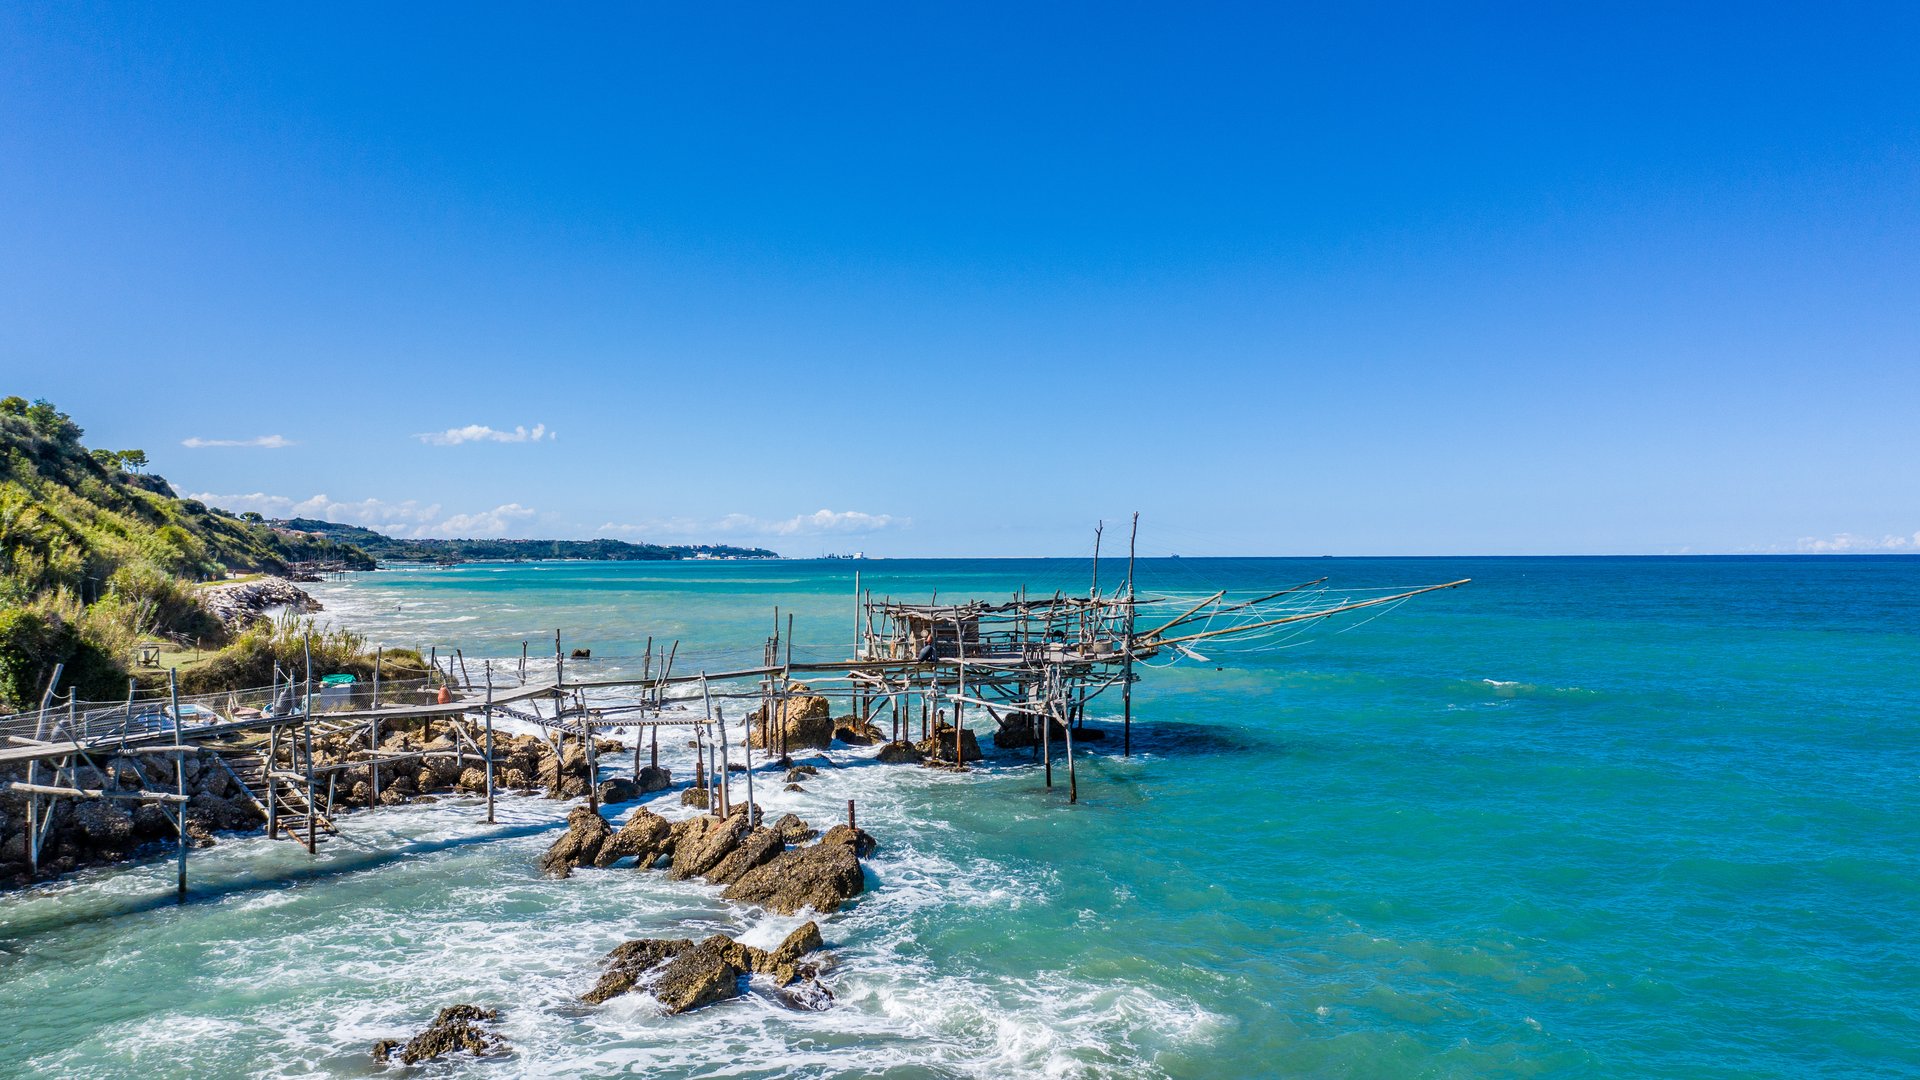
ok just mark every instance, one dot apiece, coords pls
pixel 94 832
pixel 239 604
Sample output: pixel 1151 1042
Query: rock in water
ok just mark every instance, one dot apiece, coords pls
pixel 646 836
pixel 806 721
pixel 794 830
pixel 804 939
pixel 682 974
pixel 455 1029
pixel 940 747
pixel 653 778
pixel 698 976
pixel 586 833
pixel 628 962
pixel 685 974
pixel 701 842
pixel 617 790
pixel 695 796
pixel 759 848
pixel 861 841
pixel 857 732
pixel 1019 729
pixel 821 877
pixel 898 753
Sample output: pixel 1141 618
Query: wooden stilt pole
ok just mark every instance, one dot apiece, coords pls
pixel 959 701
pixel 373 736
pixel 726 785
pixel 593 762
pixel 487 711
pixel 1126 690
pixel 1046 725
pixel 313 811
pixel 180 780
pixel 33 775
pixel 1073 782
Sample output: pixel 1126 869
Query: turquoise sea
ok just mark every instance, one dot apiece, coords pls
pixel 1593 817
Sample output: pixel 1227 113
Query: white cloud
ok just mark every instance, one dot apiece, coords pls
pixel 831 521
pixel 407 518
pixel 265 442
pixel 483 433
pixel 1855 544
pixel 818 523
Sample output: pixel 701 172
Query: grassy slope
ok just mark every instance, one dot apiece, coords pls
pixel 93 556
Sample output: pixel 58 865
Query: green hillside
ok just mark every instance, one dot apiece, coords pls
pixel 95 554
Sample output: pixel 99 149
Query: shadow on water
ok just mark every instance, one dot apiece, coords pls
pixel 61 916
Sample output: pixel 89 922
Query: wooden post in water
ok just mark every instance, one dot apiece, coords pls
pixel 1073 783
pixel 748 751
pixel 959 705
pixel 700 763
pixel 726 782
pixel 273 760
pixel 179 779
pixel 559 665
pixel 593 762
pixel 488 713
pixel 786 677
pixel 1126 690
pixel 523 661
pixel 1046 725
pixel 373 735
pixel 313 811
pixel 465 679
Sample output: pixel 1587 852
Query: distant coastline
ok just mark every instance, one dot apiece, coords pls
pixel 450 551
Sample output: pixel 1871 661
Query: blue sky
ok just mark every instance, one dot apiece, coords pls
pixel 961 281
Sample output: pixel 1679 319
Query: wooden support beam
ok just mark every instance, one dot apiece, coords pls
pixel 26 788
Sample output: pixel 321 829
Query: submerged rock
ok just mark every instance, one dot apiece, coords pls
pixel 455 1029
pixel 653 778
pixel 685 974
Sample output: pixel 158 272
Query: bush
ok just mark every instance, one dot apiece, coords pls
pixel 33 640
pixel 250 660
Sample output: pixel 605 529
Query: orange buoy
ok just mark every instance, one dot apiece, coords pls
pixel 446 696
